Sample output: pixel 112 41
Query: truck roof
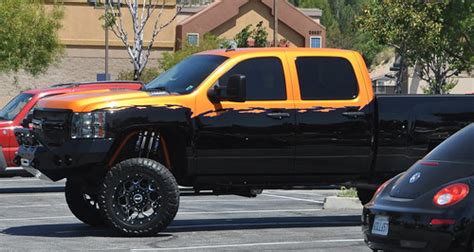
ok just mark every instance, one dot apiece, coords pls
pixel 241 51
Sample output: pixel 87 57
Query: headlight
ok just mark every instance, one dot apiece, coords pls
pixel 88 125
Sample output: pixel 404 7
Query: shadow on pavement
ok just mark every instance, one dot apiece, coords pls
pixel 195 225
pixel 63 231
pixel 37 189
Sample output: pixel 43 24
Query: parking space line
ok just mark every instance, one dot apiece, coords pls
pixel 294 198
pixel 179 213
pixel 37 218
pixel 295 192
pixel 9 195
pixel 252 211
pixel 250 245
pixel 31 206
pixel 260 224
pixel 226 200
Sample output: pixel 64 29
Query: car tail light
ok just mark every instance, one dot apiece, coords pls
pixel 442 222
pixel 451 194
pixel 381 187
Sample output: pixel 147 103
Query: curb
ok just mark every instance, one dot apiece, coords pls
pixel 334 202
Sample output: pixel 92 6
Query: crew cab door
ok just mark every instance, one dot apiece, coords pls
pixel 251 137
pixel 333 118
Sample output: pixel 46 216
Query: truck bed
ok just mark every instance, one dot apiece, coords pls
pixel 409 126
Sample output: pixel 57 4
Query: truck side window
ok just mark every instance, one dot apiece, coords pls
pixel 265 78
pixel 326 78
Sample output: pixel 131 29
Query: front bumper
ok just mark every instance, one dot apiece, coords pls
pixel 408 231
pixel 72 158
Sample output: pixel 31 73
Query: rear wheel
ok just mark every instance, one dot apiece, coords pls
pixel 82 204
pixel 365 195
pixel 139 197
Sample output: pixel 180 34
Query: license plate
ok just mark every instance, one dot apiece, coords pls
pixel 380 226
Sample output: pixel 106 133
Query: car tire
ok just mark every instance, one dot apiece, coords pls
pixel 84 206
pixel 139 197
pixel 365 195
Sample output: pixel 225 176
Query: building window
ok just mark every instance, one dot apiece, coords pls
pixel 315 42
pixel 193 39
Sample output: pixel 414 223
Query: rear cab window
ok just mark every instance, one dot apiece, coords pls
pixel 326 78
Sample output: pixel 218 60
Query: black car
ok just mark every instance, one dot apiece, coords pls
pixel 430 206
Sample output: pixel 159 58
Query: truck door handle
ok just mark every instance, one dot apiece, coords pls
pixel 278 115
pixel 353 114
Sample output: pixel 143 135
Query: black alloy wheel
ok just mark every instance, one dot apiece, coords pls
pixel 139 197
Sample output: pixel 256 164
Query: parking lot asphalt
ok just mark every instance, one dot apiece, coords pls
pixel 34 216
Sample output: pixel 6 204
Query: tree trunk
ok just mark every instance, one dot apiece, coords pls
pixel 136 74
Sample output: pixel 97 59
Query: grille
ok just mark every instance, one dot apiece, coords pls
pixel 52 126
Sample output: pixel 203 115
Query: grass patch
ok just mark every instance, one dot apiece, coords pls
pixel 345 192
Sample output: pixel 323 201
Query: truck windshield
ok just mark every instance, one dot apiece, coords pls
pixel 14 107
pixel 186 75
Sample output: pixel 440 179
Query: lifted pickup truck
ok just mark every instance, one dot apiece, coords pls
pixel 19 112
pixel 231 121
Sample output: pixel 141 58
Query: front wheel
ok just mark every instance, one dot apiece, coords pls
pixel 82 204
pixel 139 197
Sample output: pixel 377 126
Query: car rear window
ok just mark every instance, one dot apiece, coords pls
pixel 326 78
pixel 457 148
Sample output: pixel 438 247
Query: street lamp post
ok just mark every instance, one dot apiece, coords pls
pixel 106 66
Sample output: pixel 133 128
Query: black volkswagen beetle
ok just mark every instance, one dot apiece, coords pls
pixel 430 206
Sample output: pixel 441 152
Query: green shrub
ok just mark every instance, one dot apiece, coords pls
pixel 345 192
pixel 148 75
pixel 208 42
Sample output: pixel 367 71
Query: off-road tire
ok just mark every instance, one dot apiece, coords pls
pixel 365 195
pixel 84 206
pixel 115 183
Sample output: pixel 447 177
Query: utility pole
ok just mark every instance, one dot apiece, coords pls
pixel 106 44
pixel 275 23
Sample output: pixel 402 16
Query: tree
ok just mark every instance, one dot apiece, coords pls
pixel 243 36
pixel 28 36
pixel 435 35
pixel 259 35
pixel 141 13
pixel 339 16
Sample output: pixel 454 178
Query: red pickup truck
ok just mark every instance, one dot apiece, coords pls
pixel 19 111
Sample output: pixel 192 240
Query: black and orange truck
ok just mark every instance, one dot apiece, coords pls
pixel 234 122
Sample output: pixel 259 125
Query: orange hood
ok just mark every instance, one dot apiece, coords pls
pixel 104 99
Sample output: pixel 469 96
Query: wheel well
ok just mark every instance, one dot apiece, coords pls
pixel 166 146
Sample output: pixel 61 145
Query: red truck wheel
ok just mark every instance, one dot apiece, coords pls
pixel 84 206
pixel 139 197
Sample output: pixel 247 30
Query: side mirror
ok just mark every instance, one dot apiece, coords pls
pixel 234 90
pixel 27 120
